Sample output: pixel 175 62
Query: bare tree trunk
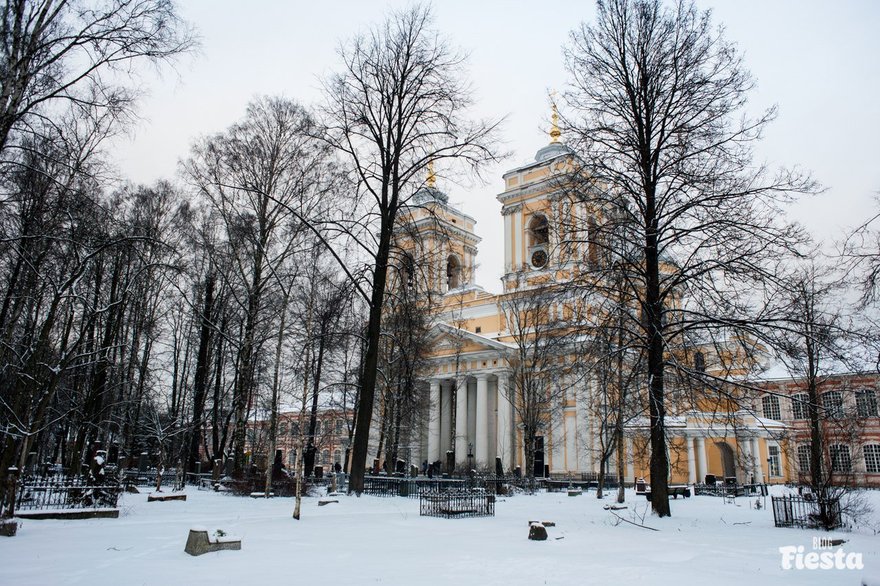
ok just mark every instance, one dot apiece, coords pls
pixel 276 378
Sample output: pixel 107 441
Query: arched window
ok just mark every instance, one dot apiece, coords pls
pixel 699 362
pixel 539 230
pixel 407 269
pixel 453 272
pixel 770 403
pixel 539 237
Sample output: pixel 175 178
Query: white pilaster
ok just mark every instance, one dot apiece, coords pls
pixel 434 422
pixel 460 420
pixel 692 465
pixel 508 260
pixel 482 436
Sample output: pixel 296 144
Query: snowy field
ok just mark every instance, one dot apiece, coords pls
pixel 372 540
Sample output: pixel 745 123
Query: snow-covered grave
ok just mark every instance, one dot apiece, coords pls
pixel 371 540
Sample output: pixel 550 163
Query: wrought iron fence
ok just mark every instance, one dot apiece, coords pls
pixel 410 487
pixel 65 492
pixel 806 512
pixel 457 504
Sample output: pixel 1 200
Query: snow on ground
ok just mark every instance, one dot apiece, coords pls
pixel 371 540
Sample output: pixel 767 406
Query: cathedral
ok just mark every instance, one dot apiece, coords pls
pixel 474 417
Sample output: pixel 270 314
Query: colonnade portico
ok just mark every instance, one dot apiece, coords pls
pixel 482 415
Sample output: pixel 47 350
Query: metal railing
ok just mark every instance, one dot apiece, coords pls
pixel 65 492
pixel 806 513
pixel 455 504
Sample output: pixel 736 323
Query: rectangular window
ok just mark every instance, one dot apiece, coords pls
pixel 832 404
pixel 866 403
pixel 800 406
pixel 338 426
pixel 771 407
pixel 775 462
pixel 840 458
pixel 872 458
pixel 803 453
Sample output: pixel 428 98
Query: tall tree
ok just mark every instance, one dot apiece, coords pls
pixel 261 177
pixel 657 102
pixel 398 103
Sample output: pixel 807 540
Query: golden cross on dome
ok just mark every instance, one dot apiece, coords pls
pixel 555 133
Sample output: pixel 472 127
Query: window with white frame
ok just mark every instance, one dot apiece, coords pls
pixel 866 403
pixel 770 404
pixel 872 458
pixel 774 460
pixel 800 406
pixel 803 456
pixel 832 404
pixel 840 458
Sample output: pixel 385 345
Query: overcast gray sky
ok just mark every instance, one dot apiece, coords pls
pixel 819 61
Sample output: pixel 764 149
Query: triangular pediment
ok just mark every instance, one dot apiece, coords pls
pixel 445 339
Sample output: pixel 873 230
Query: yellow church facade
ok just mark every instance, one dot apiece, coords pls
pixel 473 417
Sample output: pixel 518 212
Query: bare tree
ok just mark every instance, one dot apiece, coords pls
pixel 59 52
pixel 261 177
pixel 397 104
pixel 820 339
pixel 657 96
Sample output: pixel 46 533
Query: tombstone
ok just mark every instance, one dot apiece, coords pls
pixel 198 468
pixel 143 463
pixel 546 470
pixel 537 532
pixel 450 462
pixel 730 481
pixel 517 472
pixel 499 467
pixel 375 465
pixel 228 467
pixel 319 472
pixel 400 467
pixel 431 470
pixel 641 485
pixel 710 479
pixel 217 472
pixel 31 463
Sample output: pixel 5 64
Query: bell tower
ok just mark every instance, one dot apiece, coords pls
pixel 440 239
pixel 538 215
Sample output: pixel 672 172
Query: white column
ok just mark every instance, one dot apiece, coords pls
pixel 701 459
pixel 503 446
pixel 692 465
pixel 630 458
pixel 756 454
pixel 445 418
pixel 434 422
pixel 745 446
pixel 481 440
pixel 460 420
